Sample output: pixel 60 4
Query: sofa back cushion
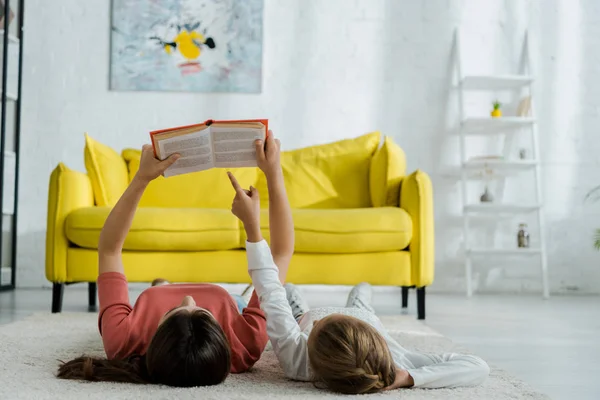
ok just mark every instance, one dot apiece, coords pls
pixel 334 175
pixel 388 167
pixel 107 171
pixel 205 189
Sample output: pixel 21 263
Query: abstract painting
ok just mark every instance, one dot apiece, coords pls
pixel 186 45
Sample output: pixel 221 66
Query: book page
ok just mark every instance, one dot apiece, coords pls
pixel 234 145
pixel 194 149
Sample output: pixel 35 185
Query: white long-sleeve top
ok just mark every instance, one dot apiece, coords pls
pixel 290 339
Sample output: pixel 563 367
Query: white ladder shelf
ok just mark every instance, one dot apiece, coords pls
pixel 498 126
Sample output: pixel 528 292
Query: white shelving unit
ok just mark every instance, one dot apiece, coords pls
pixel 468 168
pixel 11 34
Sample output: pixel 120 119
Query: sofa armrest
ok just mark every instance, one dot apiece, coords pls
pixel 416 197
pixel 68 191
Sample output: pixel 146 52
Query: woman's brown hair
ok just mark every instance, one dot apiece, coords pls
pixel 188 349
pixel 349 356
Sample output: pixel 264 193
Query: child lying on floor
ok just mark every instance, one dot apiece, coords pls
pixel 346 349
pixel 178 334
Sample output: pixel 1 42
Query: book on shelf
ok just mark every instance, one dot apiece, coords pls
pixel 211 144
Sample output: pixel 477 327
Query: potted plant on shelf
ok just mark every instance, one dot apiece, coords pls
pixel 496 112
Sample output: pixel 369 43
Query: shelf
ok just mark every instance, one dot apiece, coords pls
pixel 5 275
pixel 488 125
pixel 10 96
pixel 500 165
pixel 495 82
pixel 11 38
pixel 485 208
pixel 475 169
pixel 504 252
pixel 8 180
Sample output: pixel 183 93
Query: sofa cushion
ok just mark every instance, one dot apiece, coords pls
pixel 388 167
pixel 334 175
pixel 388 268
pixel 107 171
pixel 359 230
pixel 205 189
pixel 160 229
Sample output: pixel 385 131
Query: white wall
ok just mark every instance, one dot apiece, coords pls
pixel 335 69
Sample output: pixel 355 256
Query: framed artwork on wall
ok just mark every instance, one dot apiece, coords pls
pixel 186 45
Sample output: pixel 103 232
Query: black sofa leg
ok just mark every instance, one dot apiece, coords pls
pixel 404 296
pixel 421 303
pixel 57 296
pixel 92 297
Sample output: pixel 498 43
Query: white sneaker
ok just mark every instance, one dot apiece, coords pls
pixel 360 297
pixel 296 301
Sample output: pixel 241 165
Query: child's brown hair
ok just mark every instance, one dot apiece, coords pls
pixel 349 356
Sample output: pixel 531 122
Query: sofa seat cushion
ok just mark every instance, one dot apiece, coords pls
pixel 160 229
pixel 359 230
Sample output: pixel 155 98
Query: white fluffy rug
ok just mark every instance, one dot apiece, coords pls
pixel 30 350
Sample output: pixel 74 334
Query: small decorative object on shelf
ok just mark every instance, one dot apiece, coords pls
pixel 523 237
pixel 524 108
pixel 496 112
pixel 523 154
pixel 486 196
pixel 11 14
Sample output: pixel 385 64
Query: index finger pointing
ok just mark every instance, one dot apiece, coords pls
pixel 234 182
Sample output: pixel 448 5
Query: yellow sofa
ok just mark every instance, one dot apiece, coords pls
pixel 357 215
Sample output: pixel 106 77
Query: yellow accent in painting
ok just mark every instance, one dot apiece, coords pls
pixel 186 45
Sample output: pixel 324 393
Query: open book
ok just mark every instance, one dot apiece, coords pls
pixel 211 144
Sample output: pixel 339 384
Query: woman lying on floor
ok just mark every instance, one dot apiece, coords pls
pixel 178 335
pixel 347 349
